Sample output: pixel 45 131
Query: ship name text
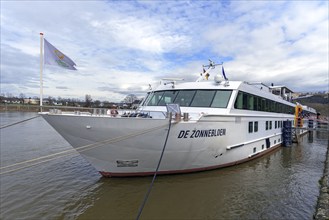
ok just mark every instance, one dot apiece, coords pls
pixel 201 133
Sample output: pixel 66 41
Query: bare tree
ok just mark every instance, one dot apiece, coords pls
pixel 130 98
pixel 88 100
pixel 97 103
pixel 22 97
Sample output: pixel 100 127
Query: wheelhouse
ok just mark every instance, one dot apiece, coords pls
pixel 209 98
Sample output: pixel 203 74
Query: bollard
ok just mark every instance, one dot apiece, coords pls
pixel 185 116
pixel 177 117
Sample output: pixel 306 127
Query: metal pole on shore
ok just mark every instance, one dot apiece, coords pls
pixel 41 70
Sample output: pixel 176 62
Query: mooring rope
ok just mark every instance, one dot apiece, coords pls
pixel 18 122
pixel 155 173
pixel 75 150
pixel 36 163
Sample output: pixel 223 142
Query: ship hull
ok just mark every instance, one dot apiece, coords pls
pixel 118 146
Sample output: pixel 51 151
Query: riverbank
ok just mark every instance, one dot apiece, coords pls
pixel 19 107
pixel 322 208
pixel 37 108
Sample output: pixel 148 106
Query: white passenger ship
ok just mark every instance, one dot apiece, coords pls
pixel 217 123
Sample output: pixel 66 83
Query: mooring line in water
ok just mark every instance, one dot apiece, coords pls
pixel 18 122
pixel 30 165
pixel 155 173
pixel 75 150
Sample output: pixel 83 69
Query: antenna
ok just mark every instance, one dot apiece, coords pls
pixel 212 64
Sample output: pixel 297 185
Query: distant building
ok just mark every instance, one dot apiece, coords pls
pixel 31 101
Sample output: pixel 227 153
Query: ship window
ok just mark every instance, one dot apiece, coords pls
pixel 167 98
pixel 250 102
pixel 184 97
pixel 238 101
pixel 267 106
pixel 203 98
pixel 155 98
pixel 263 105
pixel 245 101
pixel 259 104
pixel 272 106
pixel 262 146
pixel 276 124
pixel 266 126
pixel 250 127
pixel 256 103
pixel 256 126
pixel 270 125
pixel 254 150
pixel 279 107
pixel 221 98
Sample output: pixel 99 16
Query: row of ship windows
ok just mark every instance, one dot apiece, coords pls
pixel 255 148
pixel 216 99
pixel 193 98
pixel 253 125
pixel 256 103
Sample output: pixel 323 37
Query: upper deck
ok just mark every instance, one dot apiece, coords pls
pixel 220 98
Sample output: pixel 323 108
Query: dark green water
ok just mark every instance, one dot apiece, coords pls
pixel 281 185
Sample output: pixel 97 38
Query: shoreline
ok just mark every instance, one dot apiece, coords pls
pixel 37 108
pixel 322 206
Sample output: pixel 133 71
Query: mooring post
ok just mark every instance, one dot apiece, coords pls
pixel 287 133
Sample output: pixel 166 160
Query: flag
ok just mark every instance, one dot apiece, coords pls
pixel 223 72
pixel 54 57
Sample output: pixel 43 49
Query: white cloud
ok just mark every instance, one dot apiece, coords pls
pixel 125 45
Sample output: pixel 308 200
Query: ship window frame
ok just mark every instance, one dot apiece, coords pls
pixel 238 103
pixel 256 126
pixel 162 99
pixel 201 104
pixel 178 96
pixel 220 95
pixel 153 95
pixel 250 127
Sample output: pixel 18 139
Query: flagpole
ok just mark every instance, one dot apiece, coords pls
pixel 41 69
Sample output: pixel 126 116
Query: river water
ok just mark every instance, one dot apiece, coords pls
pixel 281 185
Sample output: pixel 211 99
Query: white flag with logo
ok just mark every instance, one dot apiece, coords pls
pixel 54 57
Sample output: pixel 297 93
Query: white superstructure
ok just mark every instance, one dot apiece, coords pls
pixel 225 123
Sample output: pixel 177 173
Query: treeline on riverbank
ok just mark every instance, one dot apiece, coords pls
pixel 36 108
pixel 319 102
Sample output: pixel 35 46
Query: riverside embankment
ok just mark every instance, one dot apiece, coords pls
pixel 322 208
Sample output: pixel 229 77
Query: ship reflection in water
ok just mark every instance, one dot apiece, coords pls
pixel 280 185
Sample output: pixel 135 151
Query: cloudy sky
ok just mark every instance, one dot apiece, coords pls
pixel 122 46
